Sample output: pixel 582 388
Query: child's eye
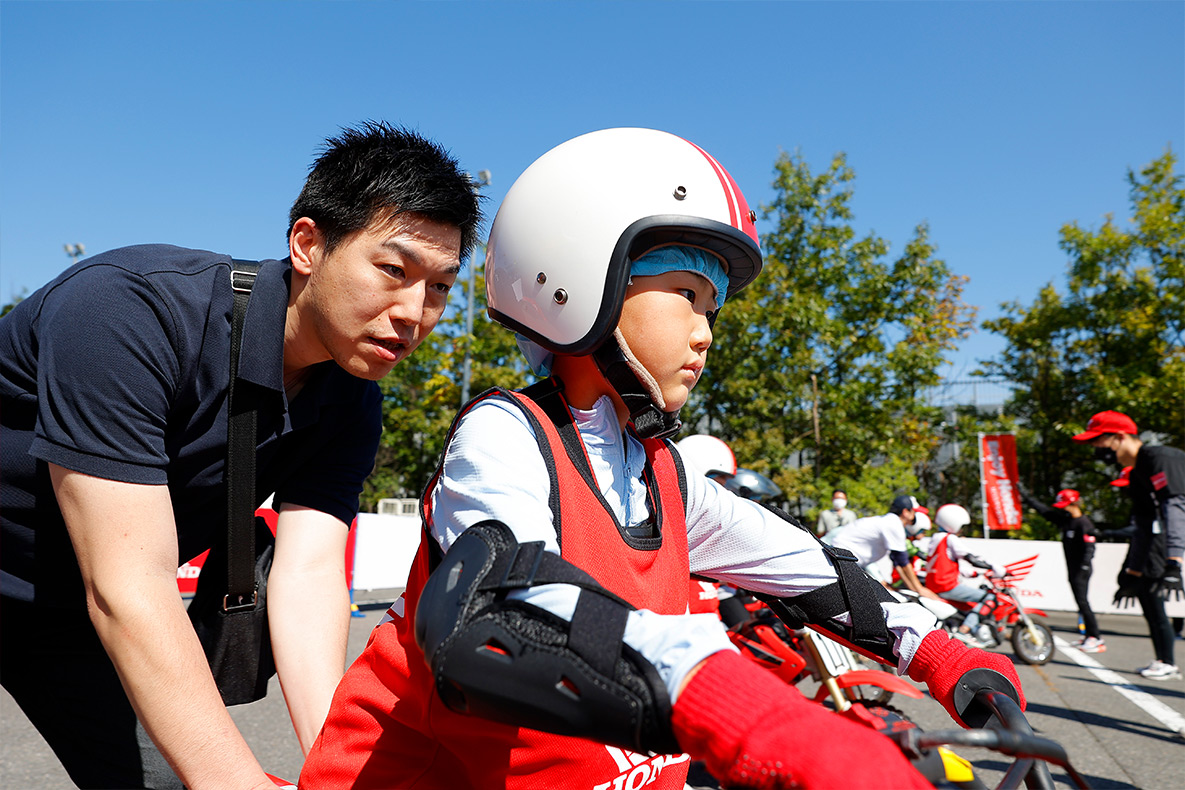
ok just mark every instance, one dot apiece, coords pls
pixel 688 294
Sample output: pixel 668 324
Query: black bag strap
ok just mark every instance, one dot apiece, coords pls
pixel 241 591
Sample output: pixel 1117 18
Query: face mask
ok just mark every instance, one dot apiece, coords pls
pixel 838 504
pixel 1106 455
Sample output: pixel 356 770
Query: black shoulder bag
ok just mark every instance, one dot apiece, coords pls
pixel 229 608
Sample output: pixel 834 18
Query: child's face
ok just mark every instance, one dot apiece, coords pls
pixel 665 322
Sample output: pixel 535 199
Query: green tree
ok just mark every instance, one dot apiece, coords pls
pixel 1113 340
pixel 423 393
pixel 15 301
pixel 817 369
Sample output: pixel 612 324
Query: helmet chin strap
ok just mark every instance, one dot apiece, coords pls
pixel 637 389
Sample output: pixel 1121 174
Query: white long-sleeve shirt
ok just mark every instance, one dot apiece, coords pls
pixel 493 470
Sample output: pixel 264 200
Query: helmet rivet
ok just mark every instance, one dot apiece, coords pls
pixel 680 193
pixel 752 215
pixel 541 278
pixel 560 296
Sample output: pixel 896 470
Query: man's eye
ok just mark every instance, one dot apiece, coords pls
pixel 443 287
pixel 393 270
pixel 688 294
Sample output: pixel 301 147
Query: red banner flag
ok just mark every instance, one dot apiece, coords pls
pixel 998 476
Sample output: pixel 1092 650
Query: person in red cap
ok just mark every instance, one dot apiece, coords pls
pixel 1151 574
pixel 1078 538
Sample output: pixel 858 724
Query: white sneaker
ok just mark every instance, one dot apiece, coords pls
pixel 1092 644
pixel 969 640
pixel 1158 670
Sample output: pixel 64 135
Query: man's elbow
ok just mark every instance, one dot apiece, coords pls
pixel 118 603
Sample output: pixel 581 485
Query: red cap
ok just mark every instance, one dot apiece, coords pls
pixel 1107 422
pixel 1066 497
pixel 1124 479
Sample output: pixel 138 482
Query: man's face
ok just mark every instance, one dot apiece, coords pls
pixel 1112 448
pixel 1103 440
pixel 372 300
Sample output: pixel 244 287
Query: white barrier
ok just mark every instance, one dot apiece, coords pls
pixel 1048 587
pixel 385 545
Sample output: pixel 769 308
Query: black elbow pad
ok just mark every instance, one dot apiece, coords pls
pixel 515 663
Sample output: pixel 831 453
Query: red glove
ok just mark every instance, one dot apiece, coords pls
pixel 940 661
pixel 752 730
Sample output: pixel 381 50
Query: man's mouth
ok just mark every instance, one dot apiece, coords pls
pixel 395 348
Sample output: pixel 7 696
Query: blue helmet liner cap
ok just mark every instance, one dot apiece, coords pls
pixel 678 258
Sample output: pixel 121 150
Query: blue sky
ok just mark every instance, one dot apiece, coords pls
pixel 194 123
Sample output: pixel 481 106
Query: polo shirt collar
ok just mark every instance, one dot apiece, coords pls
pixel 261 359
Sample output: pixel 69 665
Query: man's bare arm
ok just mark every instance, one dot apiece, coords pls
pixel 309 614
pixel 126 541
pixel 911 581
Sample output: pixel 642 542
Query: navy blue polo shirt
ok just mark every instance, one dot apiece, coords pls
pixel 119 369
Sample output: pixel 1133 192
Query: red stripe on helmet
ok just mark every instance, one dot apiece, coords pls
pixel 740 216
pixel 726 182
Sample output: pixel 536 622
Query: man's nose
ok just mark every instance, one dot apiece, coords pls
pixel 407 306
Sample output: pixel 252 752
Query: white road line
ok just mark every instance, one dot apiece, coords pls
pixel 1137 696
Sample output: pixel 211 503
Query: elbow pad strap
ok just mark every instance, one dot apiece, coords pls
pixel 854 592
pixel 508 661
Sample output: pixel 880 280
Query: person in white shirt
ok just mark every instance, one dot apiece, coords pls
pixel 874 538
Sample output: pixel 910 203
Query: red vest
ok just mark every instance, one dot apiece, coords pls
pixel 702 597
pixel 388 728
pixel 942 572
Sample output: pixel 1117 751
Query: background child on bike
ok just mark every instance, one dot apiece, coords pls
pixel 942 568
pixel 550 591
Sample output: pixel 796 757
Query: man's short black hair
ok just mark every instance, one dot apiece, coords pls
pixel 374 172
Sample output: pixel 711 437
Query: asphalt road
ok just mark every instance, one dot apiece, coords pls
pixel 1114 736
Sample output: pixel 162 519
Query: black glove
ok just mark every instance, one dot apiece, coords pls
pixel 1125 596
pixel 1169 587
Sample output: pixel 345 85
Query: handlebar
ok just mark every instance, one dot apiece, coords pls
pixel 1008 733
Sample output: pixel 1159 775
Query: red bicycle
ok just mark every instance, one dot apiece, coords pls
pixel 794 655
pixel 1000 613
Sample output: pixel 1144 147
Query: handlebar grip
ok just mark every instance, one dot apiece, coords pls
pixel 974 712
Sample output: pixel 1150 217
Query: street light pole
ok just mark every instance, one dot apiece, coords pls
pixel 483 180
pixel 75 251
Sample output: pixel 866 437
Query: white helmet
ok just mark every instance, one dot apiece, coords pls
pixel 921 523
pixel 952 518
pixel 558 258
pixel 707 455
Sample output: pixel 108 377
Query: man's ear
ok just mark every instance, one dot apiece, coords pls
pixel 306 244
